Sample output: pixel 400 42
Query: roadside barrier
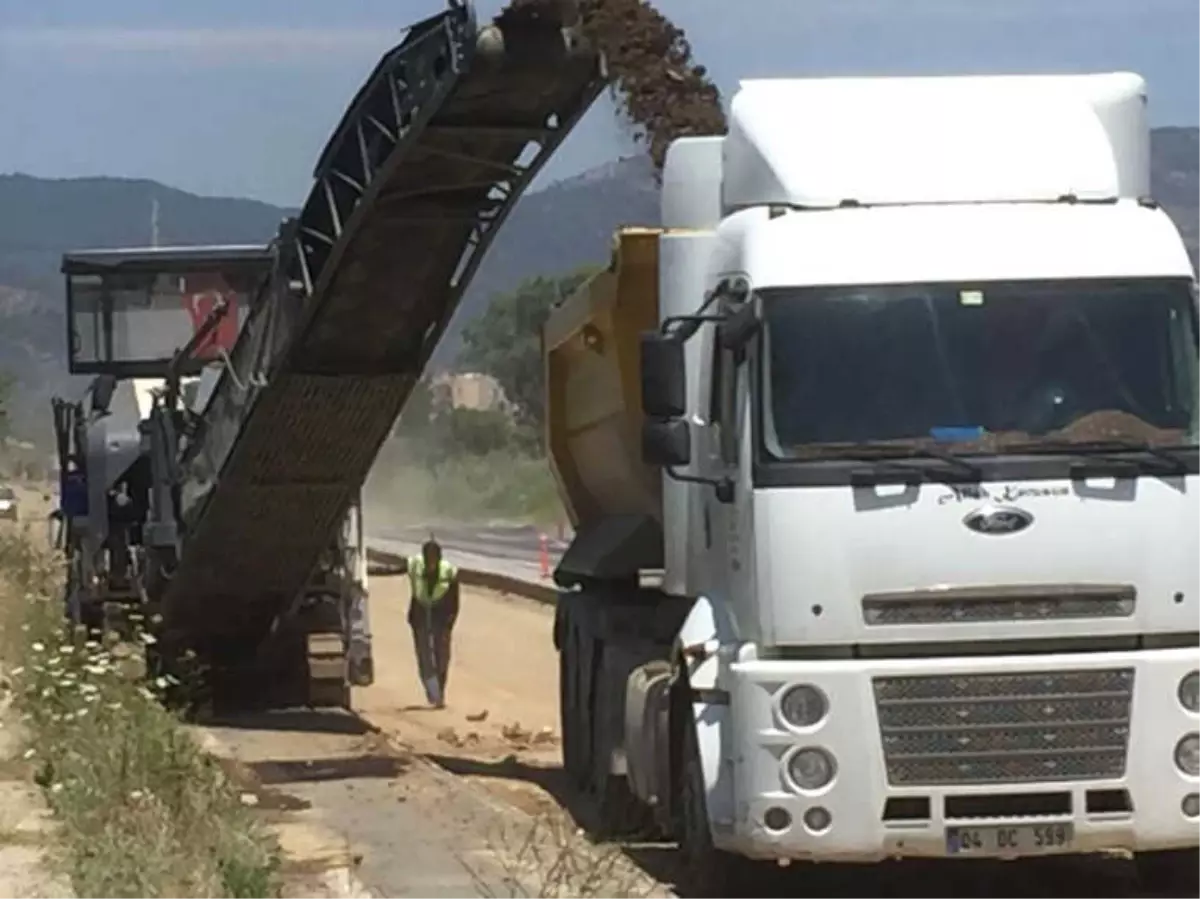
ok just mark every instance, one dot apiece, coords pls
pixel 385 564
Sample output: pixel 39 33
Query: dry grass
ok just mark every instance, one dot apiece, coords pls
pixel 143 812
pixel 551 858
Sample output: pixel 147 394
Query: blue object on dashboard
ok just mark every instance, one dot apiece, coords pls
pixel 956 435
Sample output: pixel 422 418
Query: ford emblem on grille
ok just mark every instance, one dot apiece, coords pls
pixel 998 520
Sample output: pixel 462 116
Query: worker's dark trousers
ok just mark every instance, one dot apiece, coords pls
pixel 431 639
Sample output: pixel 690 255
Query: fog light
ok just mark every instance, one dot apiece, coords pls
pixel 803 705
pixel 817 819
pixel 777 819
pixel 1191 805
pixel 1187 755
pixel 811 768
pixel 1189 691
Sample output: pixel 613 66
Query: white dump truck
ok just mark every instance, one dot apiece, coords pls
pixel 886 532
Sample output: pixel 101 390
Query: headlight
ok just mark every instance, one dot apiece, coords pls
pixel 1189 691
pixel 1187 755
pixel 803 705
pixel 811 768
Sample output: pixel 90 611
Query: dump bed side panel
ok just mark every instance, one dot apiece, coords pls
pixel 593 408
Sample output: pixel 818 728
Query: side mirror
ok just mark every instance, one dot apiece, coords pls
pixel 664 384
pixel 666 443
pixel 739 328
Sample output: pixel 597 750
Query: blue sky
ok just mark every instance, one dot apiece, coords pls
pixel 236 97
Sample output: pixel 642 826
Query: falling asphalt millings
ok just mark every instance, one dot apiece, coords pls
pixel 660 91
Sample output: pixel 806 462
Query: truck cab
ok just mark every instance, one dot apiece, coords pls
pixel 924 397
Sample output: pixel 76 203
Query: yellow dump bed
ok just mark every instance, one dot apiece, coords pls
pixel 590 345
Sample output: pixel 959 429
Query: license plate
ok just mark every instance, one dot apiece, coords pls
pixel 1015 839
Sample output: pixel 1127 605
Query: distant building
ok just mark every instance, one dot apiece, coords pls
pixel 470 390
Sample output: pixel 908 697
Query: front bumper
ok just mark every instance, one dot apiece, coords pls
pixel 1134 801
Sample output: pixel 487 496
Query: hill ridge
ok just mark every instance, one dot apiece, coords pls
pixel 554 229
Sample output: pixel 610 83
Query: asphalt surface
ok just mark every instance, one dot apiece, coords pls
pixel 517 543
pixel 512 550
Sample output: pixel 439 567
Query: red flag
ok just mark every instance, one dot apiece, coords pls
pixel 201 293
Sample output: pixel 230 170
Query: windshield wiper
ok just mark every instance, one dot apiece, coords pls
pixel 1104 450
pixel 889 455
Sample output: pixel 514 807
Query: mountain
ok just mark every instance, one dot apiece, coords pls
pixel 1175 179
pixel 556 229
pixel 43 218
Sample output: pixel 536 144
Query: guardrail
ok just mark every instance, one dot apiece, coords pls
pixel 381 563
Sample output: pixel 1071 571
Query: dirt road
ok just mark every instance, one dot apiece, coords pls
pixel 501 720
pixel 416 802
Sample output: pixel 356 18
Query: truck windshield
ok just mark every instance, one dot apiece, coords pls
pixel 996 367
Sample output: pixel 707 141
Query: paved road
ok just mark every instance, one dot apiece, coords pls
pixel 509 542
pixel 513 550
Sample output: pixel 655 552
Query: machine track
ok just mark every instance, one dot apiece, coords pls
pixel 430 158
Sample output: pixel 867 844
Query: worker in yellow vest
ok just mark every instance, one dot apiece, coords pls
pixel 432 611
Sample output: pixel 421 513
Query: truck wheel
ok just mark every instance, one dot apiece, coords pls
pixel 707 871
pixel 569 712
pixel 618 812
pixel 1174 872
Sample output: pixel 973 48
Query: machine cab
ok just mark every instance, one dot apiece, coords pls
pixel 130 312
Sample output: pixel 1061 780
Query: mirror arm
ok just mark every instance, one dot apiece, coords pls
pixel 723 486
pixel 687 325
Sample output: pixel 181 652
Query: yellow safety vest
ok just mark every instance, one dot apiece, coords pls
pixel 420 586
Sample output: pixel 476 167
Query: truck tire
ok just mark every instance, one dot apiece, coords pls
pixel 1174 872
pixel 707 871
pixel 619 813
pixel 569 699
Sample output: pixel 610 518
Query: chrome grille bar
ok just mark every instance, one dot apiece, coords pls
pixel 978 604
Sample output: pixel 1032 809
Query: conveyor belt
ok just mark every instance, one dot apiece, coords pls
pixel 429 159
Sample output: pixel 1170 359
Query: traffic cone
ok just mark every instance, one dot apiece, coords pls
pixel 544 554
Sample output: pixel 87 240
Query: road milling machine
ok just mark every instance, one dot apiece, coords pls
pixel 240 394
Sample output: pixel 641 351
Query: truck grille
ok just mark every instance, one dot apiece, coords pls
pixel 1004 728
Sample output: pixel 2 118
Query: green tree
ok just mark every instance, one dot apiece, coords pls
pixel 505 342
pixel 418 412
pixel 474 432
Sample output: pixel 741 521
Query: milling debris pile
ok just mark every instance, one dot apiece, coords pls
pixel 660 91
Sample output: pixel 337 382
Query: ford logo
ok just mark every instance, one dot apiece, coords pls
pixel 998 520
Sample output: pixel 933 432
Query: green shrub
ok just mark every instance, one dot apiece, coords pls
pixel 143 811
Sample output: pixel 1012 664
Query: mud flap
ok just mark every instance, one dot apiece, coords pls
pixel 707 629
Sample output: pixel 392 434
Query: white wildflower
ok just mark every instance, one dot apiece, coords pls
pixel 56 787
pixel 29 753
pixel 136 794
pixel 39 647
